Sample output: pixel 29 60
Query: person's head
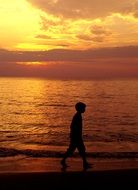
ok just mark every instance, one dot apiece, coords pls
pixel 80 107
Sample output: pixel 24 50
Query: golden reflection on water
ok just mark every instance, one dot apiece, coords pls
pixel 38 112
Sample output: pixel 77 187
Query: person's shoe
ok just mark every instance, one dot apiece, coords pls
pixel 87 166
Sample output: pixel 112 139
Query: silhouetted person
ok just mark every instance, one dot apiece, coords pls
pixel 76 140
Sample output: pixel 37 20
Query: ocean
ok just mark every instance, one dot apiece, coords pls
pixel 35 116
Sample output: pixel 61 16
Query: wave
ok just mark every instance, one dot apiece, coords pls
pixel 112 137
pixel 7 152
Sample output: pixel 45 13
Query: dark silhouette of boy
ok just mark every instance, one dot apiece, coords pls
pixel 76 140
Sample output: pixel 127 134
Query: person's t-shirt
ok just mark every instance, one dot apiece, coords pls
pixel 76 127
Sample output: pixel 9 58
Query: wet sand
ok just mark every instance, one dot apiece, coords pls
pixel 46 173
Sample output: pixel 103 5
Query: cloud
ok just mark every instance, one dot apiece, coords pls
pixel 42 36
pixel 84 8
pixel 68 55
pixel 90 38
pixel 98 39
pixel 84 37
pixel 101 23
pixel 47 22
pixel 99 30
pixel 96 69
pixel 121 62
pixel 96 33
pixel 136 9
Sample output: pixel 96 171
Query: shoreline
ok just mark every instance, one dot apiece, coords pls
pixel 31 164
pixel 46 173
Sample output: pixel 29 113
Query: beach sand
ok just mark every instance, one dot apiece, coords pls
pixel 46 173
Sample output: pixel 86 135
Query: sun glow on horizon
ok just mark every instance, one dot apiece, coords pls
pixel 33 63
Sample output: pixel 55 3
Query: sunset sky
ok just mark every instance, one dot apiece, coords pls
pixel 54 38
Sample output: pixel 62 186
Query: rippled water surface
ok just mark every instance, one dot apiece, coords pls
pixel 35 114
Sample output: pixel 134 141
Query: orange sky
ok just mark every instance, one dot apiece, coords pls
pixel 43 25
pixel 79 24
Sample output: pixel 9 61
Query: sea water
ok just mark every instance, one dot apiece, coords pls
pixel 35 116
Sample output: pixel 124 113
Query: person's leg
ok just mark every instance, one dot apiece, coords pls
pixel 68 153
pixel 81 149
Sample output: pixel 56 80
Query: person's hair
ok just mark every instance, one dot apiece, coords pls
pixel 79 106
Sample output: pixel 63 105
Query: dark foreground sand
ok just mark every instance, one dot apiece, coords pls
pixel 70 180
pixel 109 175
